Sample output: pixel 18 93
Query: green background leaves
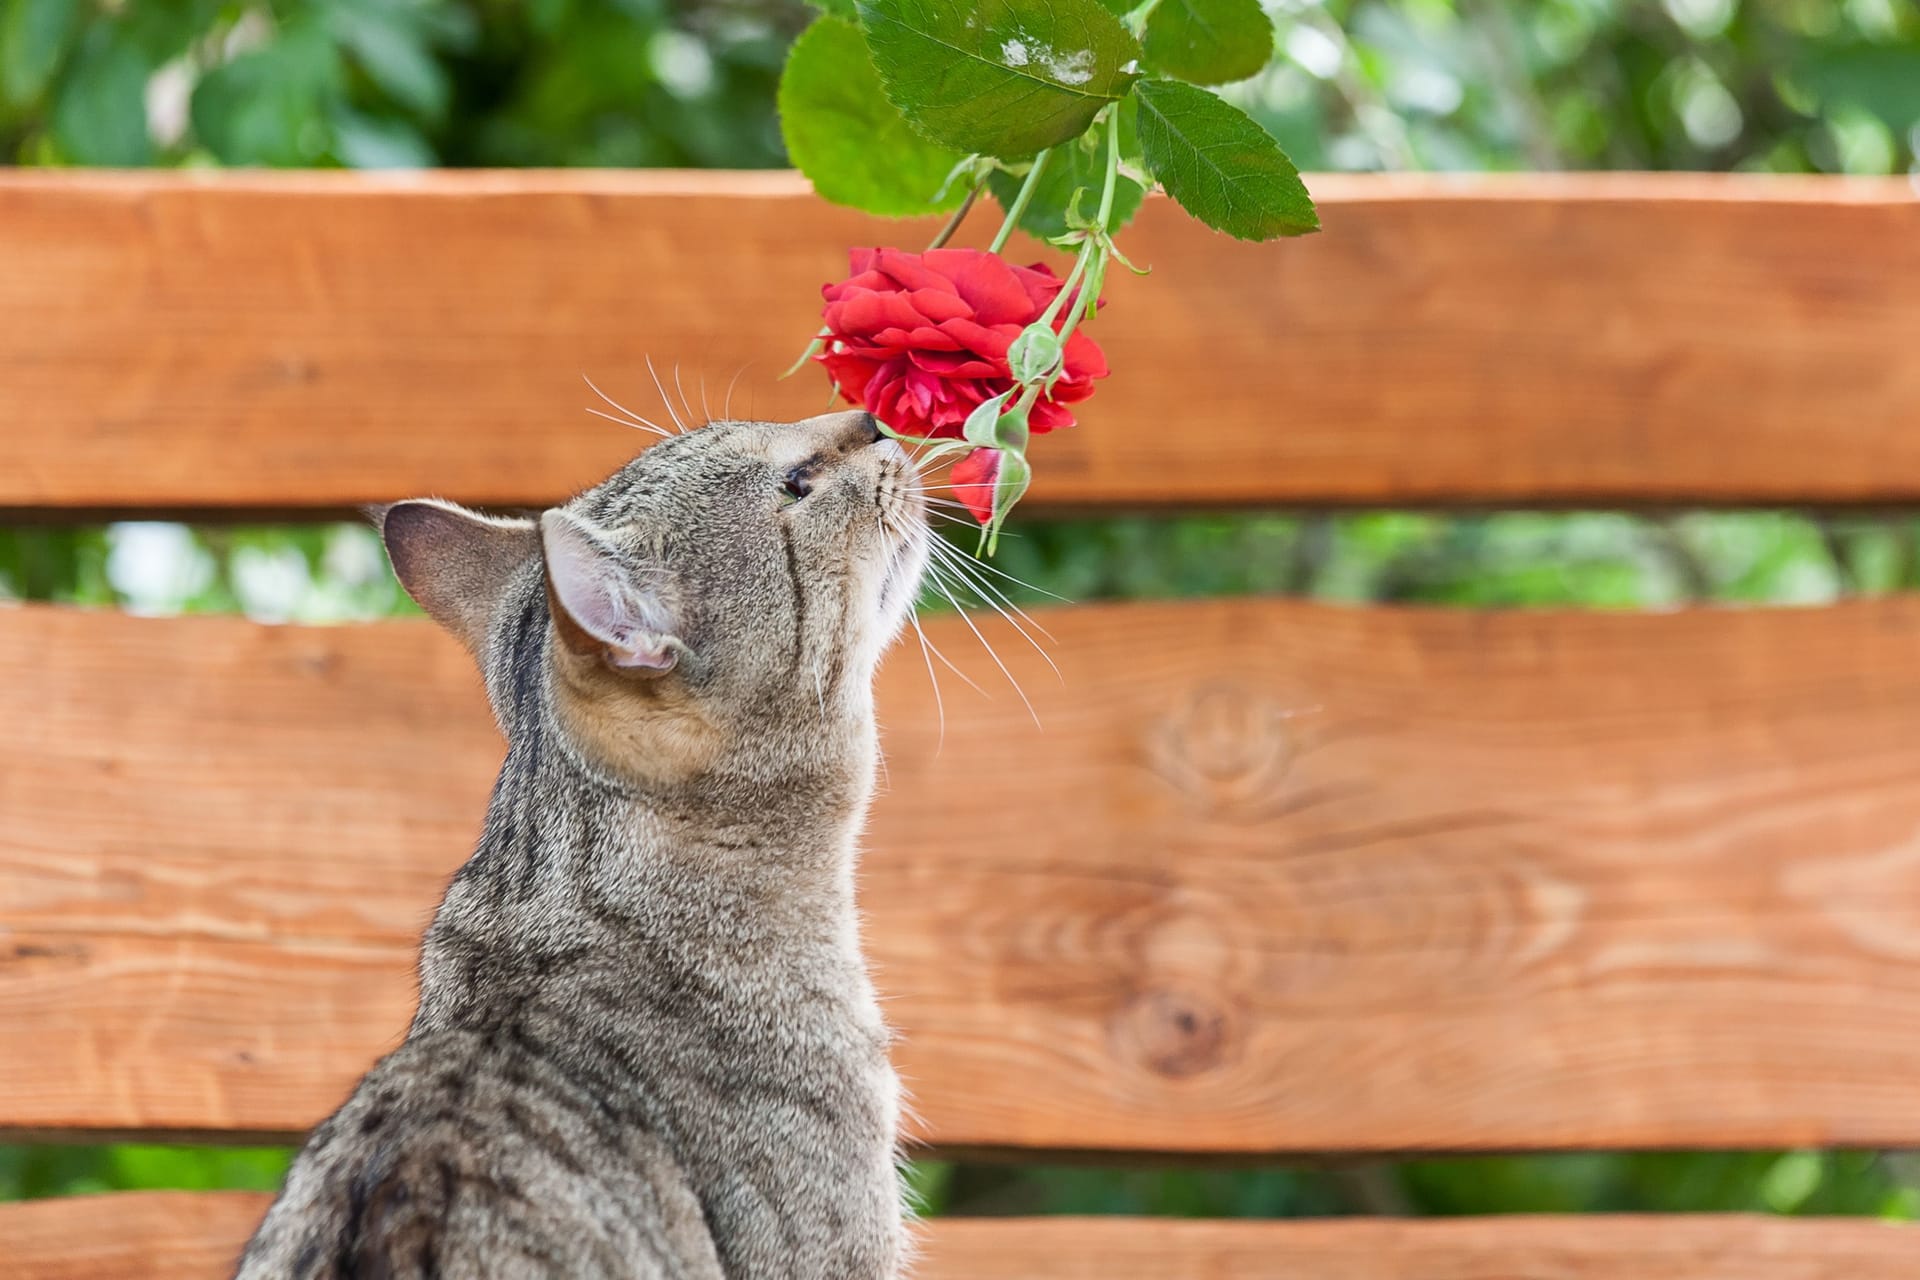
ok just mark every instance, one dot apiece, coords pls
pixel 102 118
pixel 34 38
pixel 1209 41
pixel 841 131
pixel 1001 77
pixel 1220 165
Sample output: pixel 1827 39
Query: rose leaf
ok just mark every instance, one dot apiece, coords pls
pixel 1220 164
pixel 847 138
pixel 1209 41
pixel 1001 77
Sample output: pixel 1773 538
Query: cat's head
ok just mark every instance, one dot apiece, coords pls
pixel 728 591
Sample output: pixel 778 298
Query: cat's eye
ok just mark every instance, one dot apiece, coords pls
pixel 797 484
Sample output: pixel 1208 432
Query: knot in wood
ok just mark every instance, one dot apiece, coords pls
pixel 1174 1032
pixel 1225 745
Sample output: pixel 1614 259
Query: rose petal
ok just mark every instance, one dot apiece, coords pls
pixel 991 288
pixel 921 339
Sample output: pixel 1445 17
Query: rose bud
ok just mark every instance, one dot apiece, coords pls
pixel 974 479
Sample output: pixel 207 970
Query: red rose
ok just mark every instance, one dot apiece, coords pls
pixel 920 339
pixel 973 480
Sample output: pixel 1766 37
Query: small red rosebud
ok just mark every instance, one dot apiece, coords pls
pixel 974 479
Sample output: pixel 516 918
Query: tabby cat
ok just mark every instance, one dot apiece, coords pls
pixel 646 1043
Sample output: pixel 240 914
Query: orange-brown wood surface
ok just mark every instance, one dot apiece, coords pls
pixel 188 1236
pixel 311 341
pixel 1274 877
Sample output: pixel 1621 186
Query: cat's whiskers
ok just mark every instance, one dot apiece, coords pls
pixel 993 597
pixel 684 403
pixel 984 592
pixel 949 664
pixel 953 517
pixel 939 703
pixel 619 421
pixel 933 576
pixel 1019 582
pixel 726 404
pixel 969 570
pixel 661 387
pixel 631 419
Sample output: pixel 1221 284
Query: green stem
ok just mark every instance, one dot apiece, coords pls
pixel 959 215
pixel 1095 247
pixel 1078 313
pixel 1103 243
pixel 1113 169
pixel 1052 312
pixel 1020 201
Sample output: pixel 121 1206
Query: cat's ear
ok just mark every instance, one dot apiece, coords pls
pixel 601 606
pixel 455 563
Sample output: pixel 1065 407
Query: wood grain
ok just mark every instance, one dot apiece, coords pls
pixel 245 341
pixel 191 1236
pixel 1274 877
pixel 152 1235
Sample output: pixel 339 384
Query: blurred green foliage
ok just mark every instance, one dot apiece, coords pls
pixel 391 83
pixel 1783 85
pixel 1771 85
pixel 28 1173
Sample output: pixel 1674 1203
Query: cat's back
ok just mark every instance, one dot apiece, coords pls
pixel 464 1154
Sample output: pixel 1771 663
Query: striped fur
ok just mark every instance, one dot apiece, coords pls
pixel 646 1044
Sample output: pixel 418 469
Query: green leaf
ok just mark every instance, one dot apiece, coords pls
pixel 837 9
pixel 1220 165
pixel 268 106
pixel 100 116
pixel 1209 41
pixel 34 41
pixel 372 142
pixel 165 29
pixel 1078 164
pixel 847 138
pixel 1001 77
pixel 392 46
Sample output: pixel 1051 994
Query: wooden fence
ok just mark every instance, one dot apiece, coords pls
pixel 1275 879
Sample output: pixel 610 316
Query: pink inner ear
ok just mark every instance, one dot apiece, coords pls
pixel 638 651
pixel 596 590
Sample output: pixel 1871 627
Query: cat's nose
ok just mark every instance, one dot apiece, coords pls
pixel 843 432
pixel 858 430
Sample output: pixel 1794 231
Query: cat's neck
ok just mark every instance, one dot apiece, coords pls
pixel 738 868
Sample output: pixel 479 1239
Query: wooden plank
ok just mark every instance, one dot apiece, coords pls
pixel 251 341
pixel 157 1235
pixel 1594 1247
pixel 195 1236
pixel 1274 877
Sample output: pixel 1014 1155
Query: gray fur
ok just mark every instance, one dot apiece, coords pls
pixel 646 1043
